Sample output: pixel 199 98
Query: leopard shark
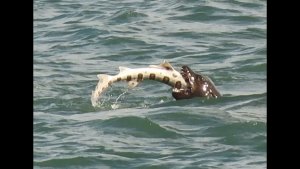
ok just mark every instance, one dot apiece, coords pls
pixel 185 84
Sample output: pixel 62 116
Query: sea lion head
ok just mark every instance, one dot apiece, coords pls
pixel 198 85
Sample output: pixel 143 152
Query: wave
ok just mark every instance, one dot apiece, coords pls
pixel 137 127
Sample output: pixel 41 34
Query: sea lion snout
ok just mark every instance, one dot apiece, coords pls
pixel 186 70
pixel 186 73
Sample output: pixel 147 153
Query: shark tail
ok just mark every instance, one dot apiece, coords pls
pixel 103 84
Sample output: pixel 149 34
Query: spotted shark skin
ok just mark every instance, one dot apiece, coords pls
pixel 164 73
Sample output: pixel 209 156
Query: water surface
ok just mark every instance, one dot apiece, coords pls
pixel 146 128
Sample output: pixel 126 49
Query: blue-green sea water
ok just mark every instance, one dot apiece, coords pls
pixel 145 127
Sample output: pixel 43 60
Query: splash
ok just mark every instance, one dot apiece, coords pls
pixel 111 99
pixel 115 105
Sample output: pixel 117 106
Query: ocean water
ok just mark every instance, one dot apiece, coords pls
pixel 145 127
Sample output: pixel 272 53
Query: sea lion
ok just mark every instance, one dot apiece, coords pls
pixel 198 85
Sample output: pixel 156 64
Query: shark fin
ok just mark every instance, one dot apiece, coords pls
pixel 104 78
pixel 164 65
pixel 121 68
pixel 103 84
